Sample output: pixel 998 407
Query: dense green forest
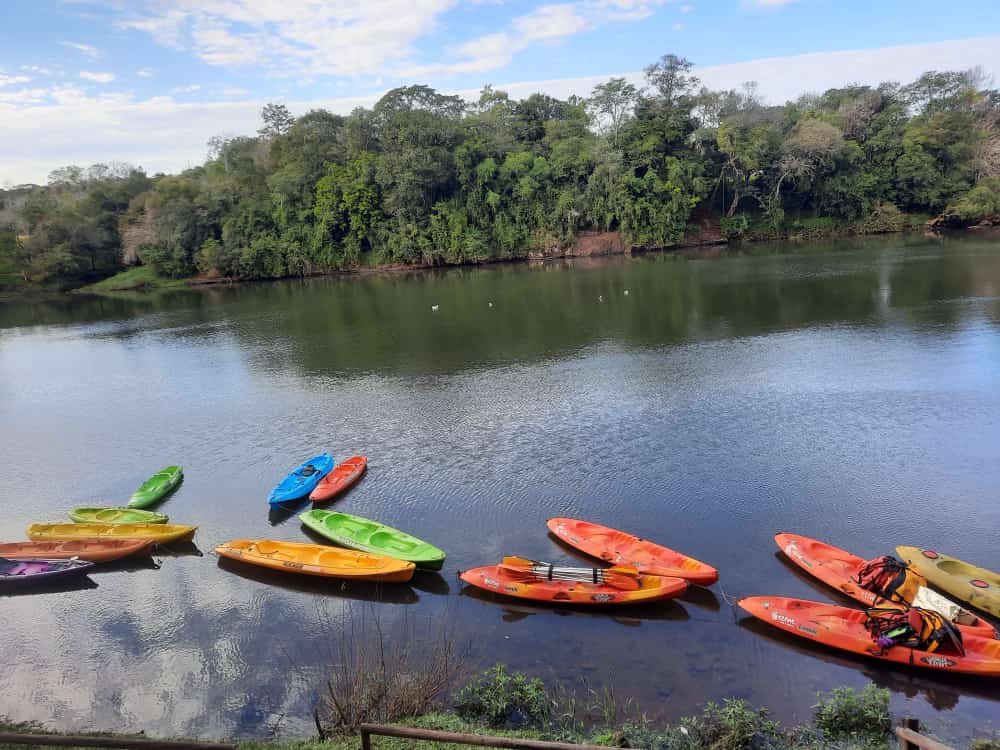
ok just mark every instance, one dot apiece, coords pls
pixel 423 177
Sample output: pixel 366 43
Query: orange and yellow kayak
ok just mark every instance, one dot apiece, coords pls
pixel 838 569
pixel 92 550
pixel 504 580
pixel 343 476
pixel 317 560
pixel 161 533
pixel 620 548
pixel 845 629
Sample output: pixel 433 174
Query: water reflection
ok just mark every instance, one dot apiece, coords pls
pixel 77 583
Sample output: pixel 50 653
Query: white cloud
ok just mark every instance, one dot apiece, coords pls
pixel 186 89
pixel 292 37
pixel 97 77
pixel 144 73
pixel 768 3
pixel 678 27
pixel 6 80
pixel 163 134
pixel 84 49
pixel 687 8
pixel 36 69
pixel 234 91
pixel 545 24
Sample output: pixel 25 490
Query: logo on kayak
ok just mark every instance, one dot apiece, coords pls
pixel 491 582
pixel 289 564
pixel 783 619
pixel 603 597
pixel 931 554
pixel 511 589
pixel 792 550
pixel 810 631
pixel 937 661
pixel 979 583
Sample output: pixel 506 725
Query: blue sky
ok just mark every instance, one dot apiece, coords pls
pixel 170 70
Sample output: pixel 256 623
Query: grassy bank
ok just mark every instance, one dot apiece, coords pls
pixel 512 705
pixel 137 279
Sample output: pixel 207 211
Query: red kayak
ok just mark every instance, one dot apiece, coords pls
pixel 343 476
pixel 841 570
pixel 620 548
pixel 851 630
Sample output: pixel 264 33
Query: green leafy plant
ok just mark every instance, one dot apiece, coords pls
pixel 845 712
pixel 504 699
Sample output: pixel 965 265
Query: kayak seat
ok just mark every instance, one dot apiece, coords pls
pixel 385 540
pixel 268 547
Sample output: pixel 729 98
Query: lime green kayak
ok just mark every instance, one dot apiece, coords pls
pixel 157 487
pixel 363 534
pixel 116 515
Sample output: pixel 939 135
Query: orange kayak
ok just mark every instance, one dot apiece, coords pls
pixel 501 579
pixel 844 628
pixel 317 560
pixel 838 568
pixel 92 550
pixel 343 476
pixel 619 548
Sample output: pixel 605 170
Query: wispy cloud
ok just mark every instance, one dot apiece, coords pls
pixel 186 89
pixel 36 69
pixel 545 24
pixel 144 73
pixel 687 8
pixel 768 3
pixel 291 38
pixel 97 77
pixel 84 49
pixel 6 80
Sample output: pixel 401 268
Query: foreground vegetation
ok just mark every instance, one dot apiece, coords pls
pixel 512 705
pixel 423 177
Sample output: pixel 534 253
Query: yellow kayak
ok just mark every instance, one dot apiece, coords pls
pixel 970 583
pixel 158 532
pixel 317 560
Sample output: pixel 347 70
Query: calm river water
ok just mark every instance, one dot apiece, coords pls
pixel 849 392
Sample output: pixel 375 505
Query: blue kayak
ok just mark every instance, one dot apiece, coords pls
pixel 302 481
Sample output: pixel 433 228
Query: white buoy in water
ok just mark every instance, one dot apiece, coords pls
pixel 600 298
pixel 435 307
pixel 626 292
pixel 490 304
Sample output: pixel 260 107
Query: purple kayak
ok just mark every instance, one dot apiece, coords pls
pixel 22 570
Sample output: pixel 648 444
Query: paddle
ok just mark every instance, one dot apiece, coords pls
pixel 620 577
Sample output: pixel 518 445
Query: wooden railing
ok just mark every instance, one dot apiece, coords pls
pixel 911 739
pixel 125 743
pixel 367 730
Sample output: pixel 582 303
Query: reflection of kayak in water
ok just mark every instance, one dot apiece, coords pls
pixel 914 638
pixel 632 615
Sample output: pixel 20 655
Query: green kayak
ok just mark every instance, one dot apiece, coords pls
pixel 116 515
pixel 371 536
pixel 157 487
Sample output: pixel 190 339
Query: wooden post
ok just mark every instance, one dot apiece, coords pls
pixel 914 726
pixel 366 739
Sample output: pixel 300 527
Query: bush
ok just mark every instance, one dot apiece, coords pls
pixel 505 699
pixel 733 227
pixel 884 217
pixel 981 202
pixel 844 713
